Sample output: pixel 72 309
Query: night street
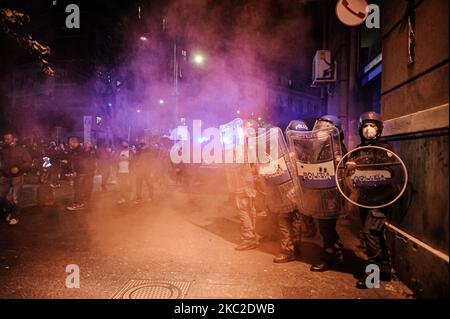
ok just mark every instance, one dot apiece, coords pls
pixel 282 150
pixel 176 239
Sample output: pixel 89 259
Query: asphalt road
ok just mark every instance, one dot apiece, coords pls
pixel 181 238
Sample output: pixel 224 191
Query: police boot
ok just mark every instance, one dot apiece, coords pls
pixel 361 283
pixel 284 258
pixel 246 246
pixel 332 257
pixel 385 271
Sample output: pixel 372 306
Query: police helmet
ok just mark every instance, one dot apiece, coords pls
pixel 297 125
pixel 373 117
pixel 330 119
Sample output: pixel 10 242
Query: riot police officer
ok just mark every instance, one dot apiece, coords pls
pixel 332 248
pixel 279 189
pixel 370 128
pixel 307 223
pixel 292 224
pixel 242 183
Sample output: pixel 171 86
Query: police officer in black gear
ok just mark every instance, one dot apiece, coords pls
pixel 373 220
pixel 332 248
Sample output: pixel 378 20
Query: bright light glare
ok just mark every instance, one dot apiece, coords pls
pixel 143 38
pixel 161 101
pixel 198 59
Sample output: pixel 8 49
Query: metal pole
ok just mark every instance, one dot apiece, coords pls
pixel 420 243
pixel 175 73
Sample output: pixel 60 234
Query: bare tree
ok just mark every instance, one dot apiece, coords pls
pixel 10 21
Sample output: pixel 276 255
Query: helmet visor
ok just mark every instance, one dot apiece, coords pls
pixel 321 124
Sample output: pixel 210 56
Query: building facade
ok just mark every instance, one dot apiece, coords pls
pixel 401 71
pixel 414 104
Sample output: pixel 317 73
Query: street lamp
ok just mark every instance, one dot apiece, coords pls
pixel 199 59
pixel 161 101
pixel 143 38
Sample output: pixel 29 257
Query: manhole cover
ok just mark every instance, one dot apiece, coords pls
pixel 148 289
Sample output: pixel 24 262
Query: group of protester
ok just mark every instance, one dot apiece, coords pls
pixel 133 166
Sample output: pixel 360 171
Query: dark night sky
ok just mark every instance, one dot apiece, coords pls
pixel 259 38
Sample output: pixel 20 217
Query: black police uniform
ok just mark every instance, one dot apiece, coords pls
pixel 330 237
pixel 373 221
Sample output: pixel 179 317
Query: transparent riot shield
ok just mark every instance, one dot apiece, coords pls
pixel 232 134
pixel 277 171
pixel 371 177
pixel 316 154
pixel 238 171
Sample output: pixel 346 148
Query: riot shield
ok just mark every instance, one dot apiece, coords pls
pixel 240 177
pixel 277 171
pixel 371 177
pixel 316 154
pixel 232 134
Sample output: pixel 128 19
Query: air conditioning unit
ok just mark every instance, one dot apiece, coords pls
pixel 323 69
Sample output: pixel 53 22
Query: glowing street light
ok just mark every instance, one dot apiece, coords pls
pixel 138 110
pixel 161 101
pixel 238 112
pixel 199 59
pixel 143 38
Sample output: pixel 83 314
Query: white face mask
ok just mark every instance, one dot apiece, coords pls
pixel 369 132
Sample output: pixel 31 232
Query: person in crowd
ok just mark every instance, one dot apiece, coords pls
pixel 91 161
pixel 55 156
pixel 104 164
pixel 83 168
pixel 125 155
pixel 15 161
pixel 64 161
pixel 143 165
